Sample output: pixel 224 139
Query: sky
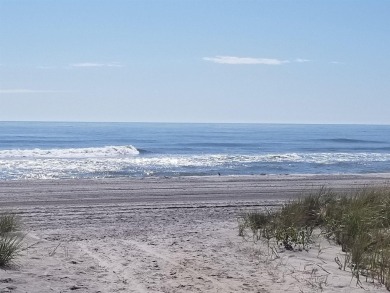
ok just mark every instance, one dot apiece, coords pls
pixel 315 61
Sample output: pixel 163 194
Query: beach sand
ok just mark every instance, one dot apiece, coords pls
pixel 175 234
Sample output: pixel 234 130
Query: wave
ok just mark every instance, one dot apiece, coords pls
pixel 70 153
pixel 114 161
pixel 349 140
pixel 219 144
pixel 129 154
pixel 217 160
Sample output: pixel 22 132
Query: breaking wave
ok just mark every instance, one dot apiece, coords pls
pixel 112 161
pixel 71 153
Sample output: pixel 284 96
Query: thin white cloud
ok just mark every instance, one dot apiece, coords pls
pixel 244 60
pixel 250 60
pixel 336 62
pixel 27 91
pixel 94 64
pixel 300 60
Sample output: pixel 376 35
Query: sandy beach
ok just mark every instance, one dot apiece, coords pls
pixel 171 234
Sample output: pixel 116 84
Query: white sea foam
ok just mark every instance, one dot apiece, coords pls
pixel 125 160
pixel 70 153
pixel 222 159
pixel 101 162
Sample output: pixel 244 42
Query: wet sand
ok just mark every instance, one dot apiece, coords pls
pixel 165 235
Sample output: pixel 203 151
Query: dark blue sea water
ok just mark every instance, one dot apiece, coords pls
pixel 32 150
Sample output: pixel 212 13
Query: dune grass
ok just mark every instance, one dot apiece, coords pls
pixel 10 246
pixel 8 223
pixel 359 223
pixel 10 242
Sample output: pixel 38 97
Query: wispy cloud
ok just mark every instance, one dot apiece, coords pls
pixel 251 60
pixel 336 62
pixel 300 60
pixel 95 64
pixel 244 60
pixel 27 91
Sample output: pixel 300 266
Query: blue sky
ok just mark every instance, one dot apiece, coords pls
pixel 195 61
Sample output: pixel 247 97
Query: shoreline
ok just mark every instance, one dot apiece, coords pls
pixel 176 234
pixel 384 175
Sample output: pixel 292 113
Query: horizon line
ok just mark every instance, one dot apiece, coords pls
pixel 193 122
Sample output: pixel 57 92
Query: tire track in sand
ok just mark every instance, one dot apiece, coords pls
pixel 131 262
pixel 194 273
pixel 114 267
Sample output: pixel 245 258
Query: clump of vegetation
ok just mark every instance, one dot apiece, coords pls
pixel 360 223
pixel 10 241
pixel 8 223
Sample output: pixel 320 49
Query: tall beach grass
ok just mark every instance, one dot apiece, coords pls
pixel 358 222
pixel 10 240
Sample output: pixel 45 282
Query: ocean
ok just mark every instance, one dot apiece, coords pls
pixel 46 150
